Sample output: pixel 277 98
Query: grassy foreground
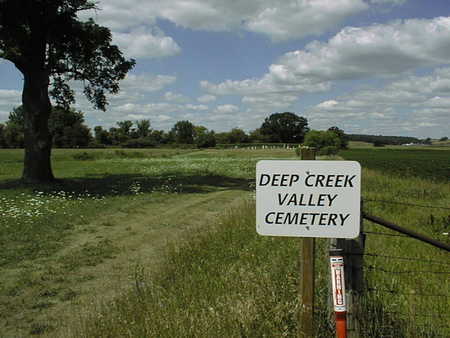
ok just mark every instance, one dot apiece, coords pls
pixel 77 241
pixel 230 282
pixel 84 258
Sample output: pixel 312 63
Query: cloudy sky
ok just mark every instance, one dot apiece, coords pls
pixel 366 66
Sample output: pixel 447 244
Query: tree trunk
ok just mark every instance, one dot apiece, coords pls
pixel 38 141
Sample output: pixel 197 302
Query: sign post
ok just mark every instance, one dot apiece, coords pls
pixel 308 199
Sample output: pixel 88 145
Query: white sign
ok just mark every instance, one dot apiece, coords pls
pixel 308 198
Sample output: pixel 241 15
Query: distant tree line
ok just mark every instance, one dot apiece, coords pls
pixel 68 130
pixel 380 140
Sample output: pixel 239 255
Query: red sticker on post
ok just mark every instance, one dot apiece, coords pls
pixel 338 283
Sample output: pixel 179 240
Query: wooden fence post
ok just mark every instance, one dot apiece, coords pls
pixel 306 289
pixel 353 251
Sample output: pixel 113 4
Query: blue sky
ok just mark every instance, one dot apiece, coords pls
pixel 366 66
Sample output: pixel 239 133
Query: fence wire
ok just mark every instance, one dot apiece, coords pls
pixel 414 259
pixel 375 268
pixel 402 288
pixel 408 204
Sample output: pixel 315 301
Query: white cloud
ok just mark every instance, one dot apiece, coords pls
pixel 297 19
pixel 145 83
pixel 10 94
pixel 206 98
pixel 353 53
pixel 143 44
pixel 9 98
pixel 271 102
pixel 438 102
pixel 387 49
pixel 136 90
pixel 174 97
pixel 409 105
pixel 226 108
pixel 328 104
pixel 272 91
pixel 196 107
pixel 270 83
pixel 164 118
pixel 135 117
pixel 121 15
pixel 278 19
pixel 388 2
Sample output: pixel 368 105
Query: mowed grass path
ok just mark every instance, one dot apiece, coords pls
pixel 81 239
pixel 230 282
pixel 103 231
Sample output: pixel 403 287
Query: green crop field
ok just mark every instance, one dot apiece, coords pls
pixel 433 164
pixel 162 242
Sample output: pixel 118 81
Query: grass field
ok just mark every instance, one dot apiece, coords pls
pixel 162 243
pixel 110 209
pixel 431 164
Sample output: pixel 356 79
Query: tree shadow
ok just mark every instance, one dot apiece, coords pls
pixel 131 184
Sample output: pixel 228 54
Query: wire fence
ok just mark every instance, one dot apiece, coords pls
pixel 408 204
pixel 413 288
pixel 410 258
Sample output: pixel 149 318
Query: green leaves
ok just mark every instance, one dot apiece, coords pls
pixel 285 127
pixel 89 56
pixel 44 35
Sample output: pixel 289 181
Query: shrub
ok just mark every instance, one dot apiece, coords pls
pixel 83 156
pixel 95 145
pixel 138 143
pixel 128 154
pixel 378 143
pixel 322 139
pixel 206 140
pixel 329 150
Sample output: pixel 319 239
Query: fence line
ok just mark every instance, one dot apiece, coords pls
pixel 392 291
pixel 412 314
pixel 415 259
pixel 384 234
pixel 409 204
pixel 375 268
pixel 410 233
pixel 434 267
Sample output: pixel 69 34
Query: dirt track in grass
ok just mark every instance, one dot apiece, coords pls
pixel 102 258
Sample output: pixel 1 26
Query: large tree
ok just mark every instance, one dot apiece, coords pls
pixel 143 128
pixel 183 132
pixel 50 46
pixel 285 127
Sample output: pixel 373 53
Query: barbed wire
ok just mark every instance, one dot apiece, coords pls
pixel 415 259
pixel 391 291
pixel 375 268
pixel 409 204
pixel 411 314
pixel 427 327
pixel 395 227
